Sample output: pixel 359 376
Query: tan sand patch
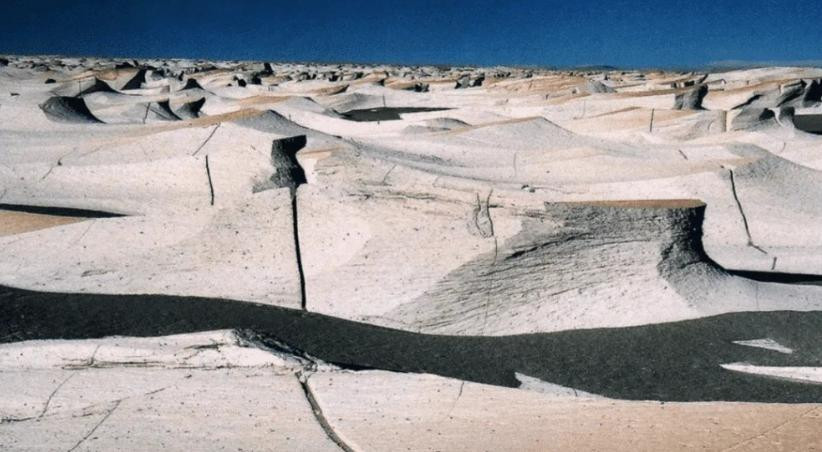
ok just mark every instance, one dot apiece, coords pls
pixel 12 222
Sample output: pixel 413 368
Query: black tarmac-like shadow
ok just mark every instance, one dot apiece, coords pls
pixel 385 113
pixel 677 361
pixel 809 123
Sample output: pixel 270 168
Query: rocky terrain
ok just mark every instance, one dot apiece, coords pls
pixel 260 256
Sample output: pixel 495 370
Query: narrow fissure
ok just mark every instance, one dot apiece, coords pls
pixel 210 183
pixel 96 426
pixel 742 214
pixel 298 255
pixel 51 396
pixel 289 173
pixel 202 145
pixel 319 415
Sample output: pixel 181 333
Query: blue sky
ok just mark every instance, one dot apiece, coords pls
pixel 484 32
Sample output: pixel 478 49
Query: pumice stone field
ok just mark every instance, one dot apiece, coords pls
pixel 228 255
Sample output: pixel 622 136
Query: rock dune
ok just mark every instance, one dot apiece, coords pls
pixel 278 256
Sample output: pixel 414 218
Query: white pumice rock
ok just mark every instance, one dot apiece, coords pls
pixel 446 201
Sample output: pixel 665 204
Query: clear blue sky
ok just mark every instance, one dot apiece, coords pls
pixel 483 32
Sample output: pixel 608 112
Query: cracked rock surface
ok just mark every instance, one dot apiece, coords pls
pixel 210 391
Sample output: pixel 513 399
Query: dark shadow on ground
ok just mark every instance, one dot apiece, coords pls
pixel 782 278
pixel 670 361
pixel 384 113
pixel 58 211
pixel 808 123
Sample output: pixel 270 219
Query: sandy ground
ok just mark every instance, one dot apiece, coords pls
pixel 599 426
pixel 12 222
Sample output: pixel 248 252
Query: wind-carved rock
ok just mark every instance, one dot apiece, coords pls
pixel 651 247
pixel 98 86
pixel 798 93
pixel 287 170
pixel 191 84
pixel 467 81
pixel 137 81
pixel 692 99
pixel 751 117
pixel 785 116
pixel 289 173
pixel 595 87
pixel 190 110
pixel 68 109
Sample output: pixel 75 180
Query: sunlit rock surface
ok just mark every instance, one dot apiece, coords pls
pixel 444 210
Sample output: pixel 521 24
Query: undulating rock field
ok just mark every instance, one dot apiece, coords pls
pixel 204 255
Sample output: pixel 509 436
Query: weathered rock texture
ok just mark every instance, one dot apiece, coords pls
pixel 565 218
